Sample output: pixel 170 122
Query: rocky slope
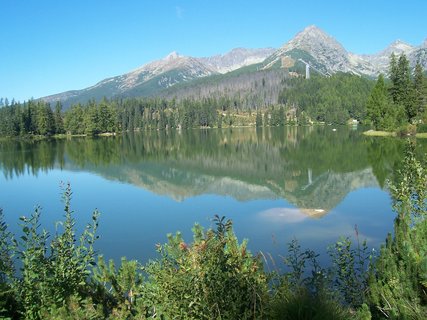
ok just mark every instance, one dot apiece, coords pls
pixel 236 58
pixel 327 55
pixel 155 76
pixel 324 53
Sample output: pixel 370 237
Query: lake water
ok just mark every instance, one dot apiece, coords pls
pixel 310 183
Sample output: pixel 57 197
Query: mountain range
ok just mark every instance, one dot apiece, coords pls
pixel 323 52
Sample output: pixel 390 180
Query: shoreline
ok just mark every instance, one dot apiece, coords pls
pixel 375 133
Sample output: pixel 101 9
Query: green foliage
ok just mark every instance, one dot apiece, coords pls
pixel 422 127
pixel 6 247
pixel 122 291
pixel 52 272
pixel 398 288
pixel 350 269
pixel 301 304
pixel 403 102
pixel 332 99
pixel 258 119
pixel 199 281
pixel 76 308
pixel 380 109
pixel 420 91
pixel 308 291
pixel 8 303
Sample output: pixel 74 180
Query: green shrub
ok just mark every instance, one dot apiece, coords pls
pixel 213 278
pixel 302 304
pixel 52 272
pixel 422 127
pixel 8 303
pixel 398 289
pixel 349 270
pixel 406 130
pixel 121 291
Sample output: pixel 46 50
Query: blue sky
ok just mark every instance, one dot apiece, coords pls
pixel 50 46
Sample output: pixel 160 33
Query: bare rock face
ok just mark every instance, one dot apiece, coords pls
pixel 236 58
pixel 333 57
pixel 327 51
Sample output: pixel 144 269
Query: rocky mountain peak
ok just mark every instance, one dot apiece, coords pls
pixel 236 58
pixel 311 38
pixel 398 47
pixel 172 56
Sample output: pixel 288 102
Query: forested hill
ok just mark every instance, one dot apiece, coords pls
pixel 263 98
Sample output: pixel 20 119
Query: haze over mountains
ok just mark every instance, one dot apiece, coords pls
pixel 313 45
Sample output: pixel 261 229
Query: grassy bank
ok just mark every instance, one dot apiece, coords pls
pixel 374 133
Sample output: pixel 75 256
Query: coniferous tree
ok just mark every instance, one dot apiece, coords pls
pixel 281 116
pixel 220 121
pixel 378 107
pixel 45 121
pixel 393 71
pixel 420 91
pixel 258 119
pixel 404 88
pixel 59 122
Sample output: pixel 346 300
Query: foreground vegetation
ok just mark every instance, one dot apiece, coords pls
pixel 60 276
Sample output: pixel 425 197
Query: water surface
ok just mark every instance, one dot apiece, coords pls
pixel 309 183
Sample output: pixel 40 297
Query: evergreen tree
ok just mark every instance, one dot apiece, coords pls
pixel 281 116
pixel 162 120
pixel 220 121
pixel 419 90
pixel 258 119
pixel 393 77
pixel 59 123
pixel 91 119
pixel 404 88
pixel 45 121
pixel 378 105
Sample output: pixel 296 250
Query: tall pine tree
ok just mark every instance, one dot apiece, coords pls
pixel 420 91
pixel 379 107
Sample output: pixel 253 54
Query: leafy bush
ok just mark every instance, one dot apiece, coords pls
pixel 422 127
pixel 51 271
pixel 406 130
pixel 302 304
pixel 121 291
pixel 213 278
pixel 398 289
pixel 350 268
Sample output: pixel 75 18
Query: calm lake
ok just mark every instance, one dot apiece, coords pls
pixel 309 183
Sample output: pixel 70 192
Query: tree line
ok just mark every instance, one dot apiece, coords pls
pixel 36 117
pixel 402 100
pixel 336 99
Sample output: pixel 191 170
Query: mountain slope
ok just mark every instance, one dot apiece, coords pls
pixel 146 80
pixel 150 79
pixel 327 55
pixel 325 49
pixel 236 58
pixel 324 54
